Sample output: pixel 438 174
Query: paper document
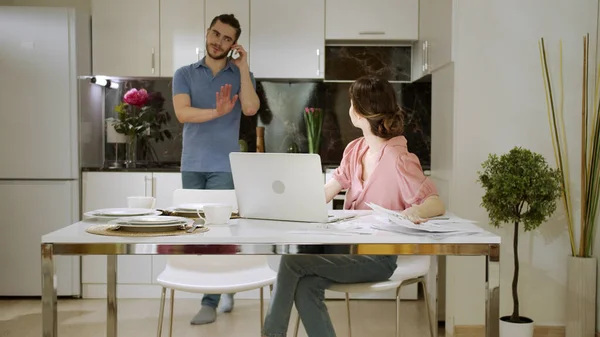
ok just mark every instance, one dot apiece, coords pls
pixel 346 227
pixel 446 224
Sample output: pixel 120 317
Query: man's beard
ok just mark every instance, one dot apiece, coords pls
pixel 213 56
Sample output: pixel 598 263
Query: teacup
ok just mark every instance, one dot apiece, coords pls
pixel 216 214
pixel 141 202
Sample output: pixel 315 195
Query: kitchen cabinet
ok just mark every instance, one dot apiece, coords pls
pixel 372 19
pixel 433 50
pixel 125 37
pixel 240 9
pixel 182 34
pixel 289 44
pixel 111 189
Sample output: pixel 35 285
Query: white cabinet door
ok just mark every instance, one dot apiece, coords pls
pixel 240 9
pixel 372 19
pixel 164 184
pixel 125 37
pixel 288 44
pixel 181 34
pixel 434 48
pixel 107 190
pixel 437 32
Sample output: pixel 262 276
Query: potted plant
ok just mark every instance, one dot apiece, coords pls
pixel 581 265
pixel 522 190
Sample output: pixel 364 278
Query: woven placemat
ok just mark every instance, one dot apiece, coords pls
pixel 109 231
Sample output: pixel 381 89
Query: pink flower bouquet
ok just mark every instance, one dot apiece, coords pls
pixel 141 114
pixel 135 97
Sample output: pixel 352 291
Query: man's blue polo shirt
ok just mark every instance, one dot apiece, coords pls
pixel 206 146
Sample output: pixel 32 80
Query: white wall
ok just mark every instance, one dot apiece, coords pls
pixel 500 103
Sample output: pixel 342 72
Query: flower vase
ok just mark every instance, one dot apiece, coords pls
pixel 313 145
pixel 313 117
pixel 581 297
pixel 131 158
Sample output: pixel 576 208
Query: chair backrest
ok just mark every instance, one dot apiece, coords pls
pixel 211 263
pixel 184 196
pixel 273 262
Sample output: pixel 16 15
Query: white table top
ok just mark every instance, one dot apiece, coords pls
pixel 246 231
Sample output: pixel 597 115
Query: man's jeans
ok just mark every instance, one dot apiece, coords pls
pixel 208 181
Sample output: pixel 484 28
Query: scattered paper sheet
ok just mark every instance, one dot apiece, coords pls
pixel 446 224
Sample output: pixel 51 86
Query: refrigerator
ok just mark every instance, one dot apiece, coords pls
pixel 39 170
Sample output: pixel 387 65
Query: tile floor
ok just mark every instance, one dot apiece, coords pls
pixel 86 317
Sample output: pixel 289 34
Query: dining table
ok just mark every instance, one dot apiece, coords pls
pixel 242 236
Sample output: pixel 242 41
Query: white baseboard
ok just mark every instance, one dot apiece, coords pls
pixel 133 291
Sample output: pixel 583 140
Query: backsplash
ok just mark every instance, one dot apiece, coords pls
pixel 347 62
pixel 281 113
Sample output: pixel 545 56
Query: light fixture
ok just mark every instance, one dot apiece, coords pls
pixel 104 82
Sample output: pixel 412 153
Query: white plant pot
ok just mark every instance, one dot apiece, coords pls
pixel 508 329
pixel 581 297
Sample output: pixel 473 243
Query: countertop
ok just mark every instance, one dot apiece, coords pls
pixel 140 168
pixel 173 168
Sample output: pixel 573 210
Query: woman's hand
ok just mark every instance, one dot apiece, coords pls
pixel 430 207
pixel 412 214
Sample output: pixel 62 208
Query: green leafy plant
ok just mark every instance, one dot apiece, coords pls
pixel 521 189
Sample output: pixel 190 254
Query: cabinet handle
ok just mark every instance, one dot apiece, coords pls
pixel 152 61
pixel 146 180
pixel 427 55
pixel 154 187
pixel 423 57
pixel 371 33
pixel 318 62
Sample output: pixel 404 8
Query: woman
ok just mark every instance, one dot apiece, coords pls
pixel 375 168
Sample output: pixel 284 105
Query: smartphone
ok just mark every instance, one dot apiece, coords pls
pixel 233 54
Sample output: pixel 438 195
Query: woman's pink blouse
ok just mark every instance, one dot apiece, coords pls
pixel 397 181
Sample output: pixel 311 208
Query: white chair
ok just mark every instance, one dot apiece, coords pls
pixel 212 274
pixel 184 196
pixel 411 269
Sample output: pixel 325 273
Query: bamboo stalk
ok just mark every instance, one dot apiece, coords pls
pixel 583 153
pixel 593 184
pixel 565 167
pixel 556 142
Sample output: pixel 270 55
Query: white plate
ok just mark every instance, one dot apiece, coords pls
pixel 115 213
pixel 121 212
pixel 152 220
pixel 150 227
pixel 190 207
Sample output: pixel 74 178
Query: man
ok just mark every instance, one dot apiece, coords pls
pixel 203 101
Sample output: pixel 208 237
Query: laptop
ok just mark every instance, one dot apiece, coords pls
pixel 281 186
